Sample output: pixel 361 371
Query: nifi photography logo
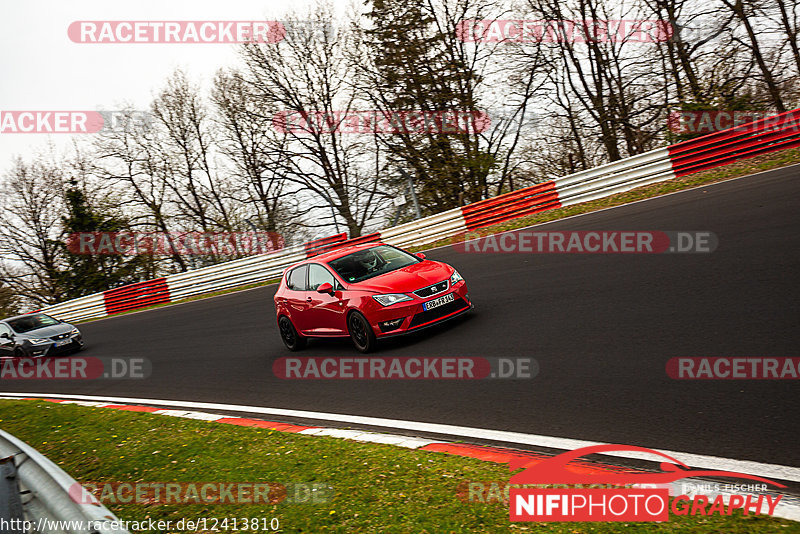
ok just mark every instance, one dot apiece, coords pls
pixel 630 496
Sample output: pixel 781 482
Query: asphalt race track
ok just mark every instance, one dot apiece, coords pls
pixel 602 328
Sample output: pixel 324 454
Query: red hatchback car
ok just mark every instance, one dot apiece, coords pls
pixel 366 292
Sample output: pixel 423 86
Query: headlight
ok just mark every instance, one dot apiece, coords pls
pixel 391 298
pixel 456 278
pixel 74 332
pixel 40 341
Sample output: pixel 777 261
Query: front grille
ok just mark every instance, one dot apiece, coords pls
pixel 436 313
pixel 430 291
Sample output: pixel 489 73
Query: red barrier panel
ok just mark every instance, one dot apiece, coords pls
pixel 312 247
pixel 376 236
pixel 135 296
pixel 769 134
pixel 540 197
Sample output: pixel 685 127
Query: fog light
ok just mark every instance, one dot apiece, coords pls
pixel 394 324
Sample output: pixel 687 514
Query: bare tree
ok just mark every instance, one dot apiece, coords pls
pixel 187 140
pixel 791 27
pixel 610 80
pixel 248 140
pixel 744 10
pixel 306 74
pixel 131 161
pixel 31 231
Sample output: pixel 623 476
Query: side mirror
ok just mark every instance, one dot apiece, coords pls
pixel 325 288
pixel 420 255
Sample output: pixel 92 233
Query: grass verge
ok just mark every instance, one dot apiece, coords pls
pixel 376 488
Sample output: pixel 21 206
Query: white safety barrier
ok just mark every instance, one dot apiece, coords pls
pixel 88 307
pixel 616 177
pixel 427 230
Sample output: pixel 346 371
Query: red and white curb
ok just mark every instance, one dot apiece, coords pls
pixel 788 508
pixel 498 455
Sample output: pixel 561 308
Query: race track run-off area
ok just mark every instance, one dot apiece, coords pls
pixel 601 327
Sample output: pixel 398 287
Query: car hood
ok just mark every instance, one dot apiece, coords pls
pixel 408 279
pixel 48 331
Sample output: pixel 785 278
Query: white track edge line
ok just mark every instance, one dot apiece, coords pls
pixel 775 471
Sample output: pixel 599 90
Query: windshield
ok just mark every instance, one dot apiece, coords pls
pixel 371 262
pixel 31 322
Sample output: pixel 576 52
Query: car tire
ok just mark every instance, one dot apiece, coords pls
pixel 291 338
pixel 19 352
pixel 361 333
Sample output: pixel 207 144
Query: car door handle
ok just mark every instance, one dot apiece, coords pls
pixel 308 299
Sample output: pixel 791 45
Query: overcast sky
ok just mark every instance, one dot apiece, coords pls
pixel 41 69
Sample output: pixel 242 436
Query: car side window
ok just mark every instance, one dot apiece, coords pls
pixel 296 279
pixel 318 275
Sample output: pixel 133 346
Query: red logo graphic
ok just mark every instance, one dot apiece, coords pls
pixel 612 504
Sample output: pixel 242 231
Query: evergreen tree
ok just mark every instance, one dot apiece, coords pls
pixel 421 66
pixel 9 304
pixel 91 273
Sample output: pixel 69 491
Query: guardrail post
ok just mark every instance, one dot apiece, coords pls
pixel 10 501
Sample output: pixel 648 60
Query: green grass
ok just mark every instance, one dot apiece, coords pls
pixel 377 488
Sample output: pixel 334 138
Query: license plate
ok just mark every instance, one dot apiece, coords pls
pixel 63 342
pixel 435 303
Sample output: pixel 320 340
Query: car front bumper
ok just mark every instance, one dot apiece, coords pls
pixel 49 349
pixel 415 318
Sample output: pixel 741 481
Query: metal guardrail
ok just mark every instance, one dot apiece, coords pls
pixel 777 132
pixel 616 177
pixel 45 494
pixel 773 133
